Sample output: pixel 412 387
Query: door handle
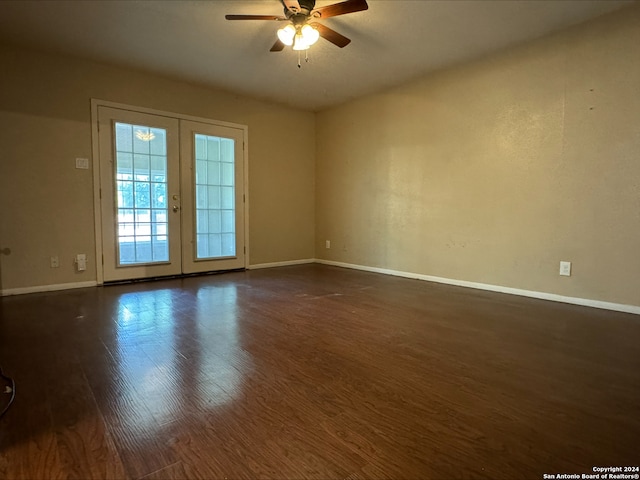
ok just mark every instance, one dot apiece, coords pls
pixel 175 208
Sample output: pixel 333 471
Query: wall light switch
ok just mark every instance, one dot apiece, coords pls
pixel 81 262
pixel 82 163
pixel 565 269
pixel 327 244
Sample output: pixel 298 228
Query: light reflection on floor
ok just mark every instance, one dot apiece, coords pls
pixel 217 329
pixel 163 365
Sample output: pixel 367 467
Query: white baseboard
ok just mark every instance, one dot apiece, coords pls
pixel 281 264
pixel 618 307
pixel 46 288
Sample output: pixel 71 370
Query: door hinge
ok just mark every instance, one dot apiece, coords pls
pixel 244 198
pixel 102 259
pixel 100 193
pixel 245 250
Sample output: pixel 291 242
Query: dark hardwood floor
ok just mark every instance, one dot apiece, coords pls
pixel 314 372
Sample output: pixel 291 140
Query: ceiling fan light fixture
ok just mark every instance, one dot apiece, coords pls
pixel 299 43
pixel 287 34
pixel 305 37
pixel 310 34
pixel 299 33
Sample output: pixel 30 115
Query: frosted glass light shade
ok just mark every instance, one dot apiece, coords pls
pixel 299 43
pixel 286 34
pixel 305 37
pixel 310 34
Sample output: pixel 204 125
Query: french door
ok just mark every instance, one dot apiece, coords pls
pixel 171 195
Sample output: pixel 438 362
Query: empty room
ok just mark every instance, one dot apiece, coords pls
pixel 298 239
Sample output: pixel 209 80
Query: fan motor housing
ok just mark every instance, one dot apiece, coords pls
pixel 306 6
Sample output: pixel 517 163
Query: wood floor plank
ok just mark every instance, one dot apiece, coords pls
pixel 209 452
pixel 28 446
pixel 86 448
pixel 175 471
pixel 128 417
pixel 313 372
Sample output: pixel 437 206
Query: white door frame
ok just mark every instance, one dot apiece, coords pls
pixel 95 152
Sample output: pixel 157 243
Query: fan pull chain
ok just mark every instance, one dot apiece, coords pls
pixel 306 57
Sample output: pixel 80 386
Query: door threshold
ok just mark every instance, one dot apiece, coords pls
pixel 170 277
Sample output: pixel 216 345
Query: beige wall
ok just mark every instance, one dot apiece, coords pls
pixel 48 204
pixel 491 172
pixel 496 171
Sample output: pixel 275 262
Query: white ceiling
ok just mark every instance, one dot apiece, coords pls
pixel 392 42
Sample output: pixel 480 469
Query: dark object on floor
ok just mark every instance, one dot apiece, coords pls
pixel 7 392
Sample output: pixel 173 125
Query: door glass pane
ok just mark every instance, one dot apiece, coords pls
pixel 141 189
pixel 215 194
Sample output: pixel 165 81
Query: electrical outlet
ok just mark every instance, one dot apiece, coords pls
pixel 55 262
pixel 82 163
pixel 565 269
pixel 327 244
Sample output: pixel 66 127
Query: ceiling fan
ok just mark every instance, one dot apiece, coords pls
pixel 301 30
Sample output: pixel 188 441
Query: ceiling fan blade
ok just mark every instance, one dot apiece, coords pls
pixel 331 35
pixel 342 8
pixel 292 5
pixel 277 47
pixel 254 17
